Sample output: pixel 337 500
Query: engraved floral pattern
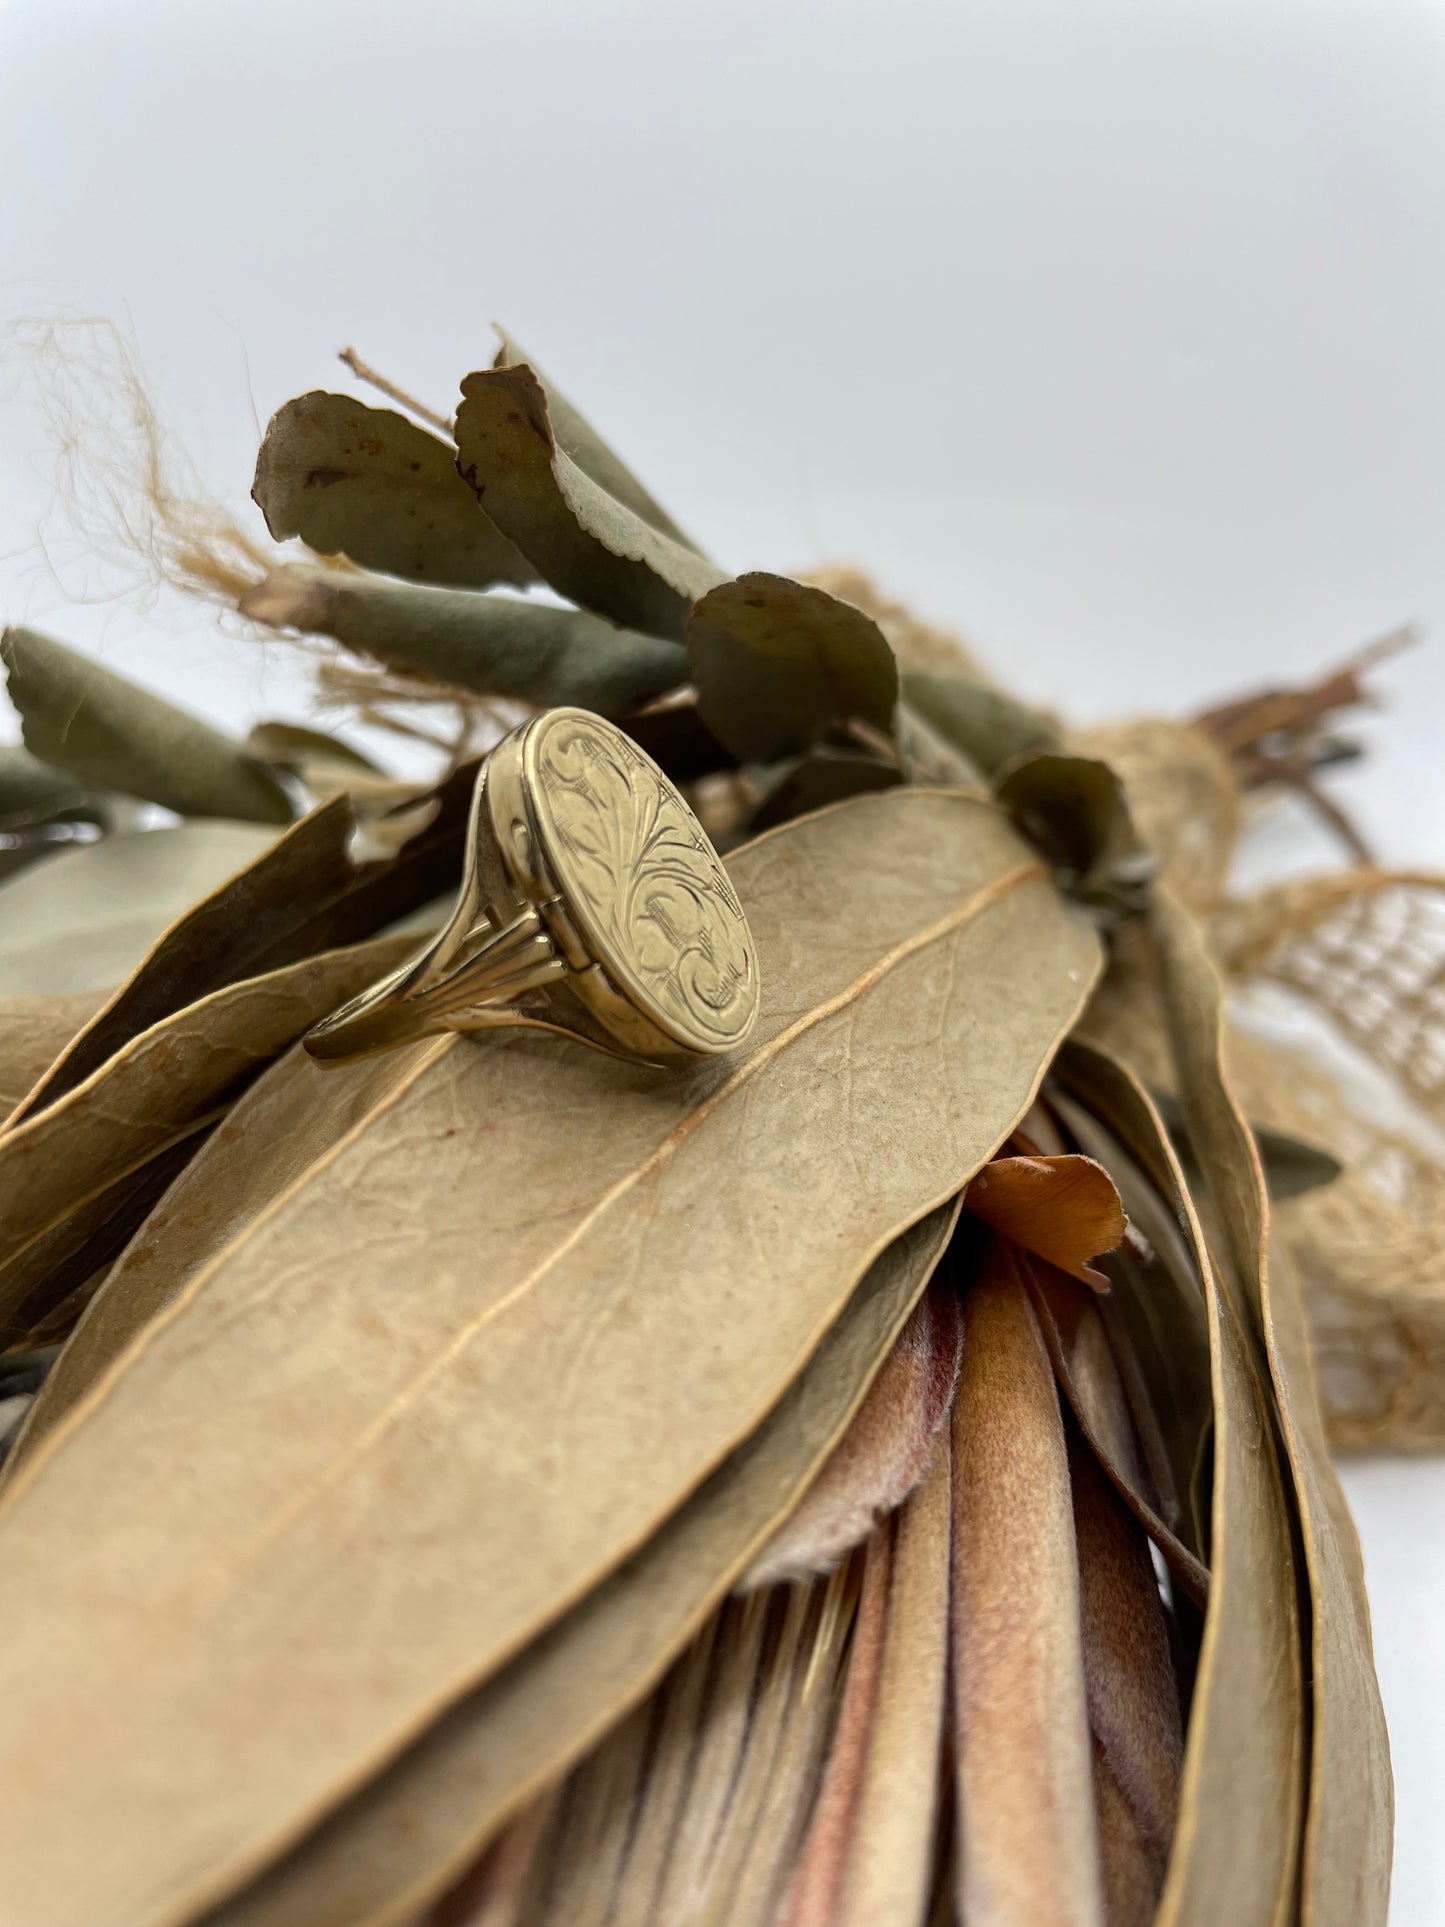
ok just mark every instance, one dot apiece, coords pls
pixel 647 879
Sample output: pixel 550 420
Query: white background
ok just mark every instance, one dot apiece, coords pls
pixel 1108 333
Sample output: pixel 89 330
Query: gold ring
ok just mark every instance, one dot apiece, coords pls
pixel 592 902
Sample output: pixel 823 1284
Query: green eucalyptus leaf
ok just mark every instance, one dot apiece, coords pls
pixel 926 755
pixel 44 811
pixel 1074 810
pixel 369 484
pixel 84 918
pixel 990 728
pixel 1072 807
pixel 497 645
pixel 1291 1166
pixel 33 792
pixel 98 727
pixel 296 747
pixel 679 741
pixel 587 544
pixel 777 663
pixel 577 438
pixel 823 776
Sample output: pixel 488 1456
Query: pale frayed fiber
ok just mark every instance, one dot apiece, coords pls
pixel 128 490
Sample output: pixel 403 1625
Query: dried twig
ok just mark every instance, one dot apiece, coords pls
pixel 362 372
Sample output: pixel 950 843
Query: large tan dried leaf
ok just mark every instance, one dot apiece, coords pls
pixel 162 1086
pixel 1346 1863
pixel 1236 1849
pixel 34 1030
pixel 291 1116
pixel 369 484
pixel 585 542
pixel 592 1325
pixel 1028 1847
pixel 422 1821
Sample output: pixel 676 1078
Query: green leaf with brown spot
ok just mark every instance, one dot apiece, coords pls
pixel 587 544
pixel 579 440
pixel 369 484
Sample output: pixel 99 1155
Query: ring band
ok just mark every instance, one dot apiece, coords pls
pixel 591 902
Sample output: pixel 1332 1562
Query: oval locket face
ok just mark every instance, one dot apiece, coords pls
pixel 624 875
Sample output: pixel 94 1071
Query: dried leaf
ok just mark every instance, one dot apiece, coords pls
pixel 1073 808
pixel 579 440
pixel 111 733
pixel 926 755
pixel 1236 1847
pixel 671 1872
pixel 1155 1312
pixel 291 1116
pixel 497 645
pixel 574 1876
pixel 582 540
pixel 1085 1366
pixel 1291 1167
pixel 296 747
pixel 987 726
pixel 302 894
pixel 57 1272
pixel 776 663
pixel 753 1851
pixel 369 484
pixel 1346 1863
pixel 823 776
pixel 1133 1697
pixel 492 1896
pixel 679 741
pixel 816 1890
pixel 886 1451
pixel 1065 1209
pixel 890 1856
pixel 85 918
pixel 33 1032
pixel 920 973
pixel 33 792
pixel 425 1818
pixel 683 1812
pixel 157 1090
pixel 1028 1842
